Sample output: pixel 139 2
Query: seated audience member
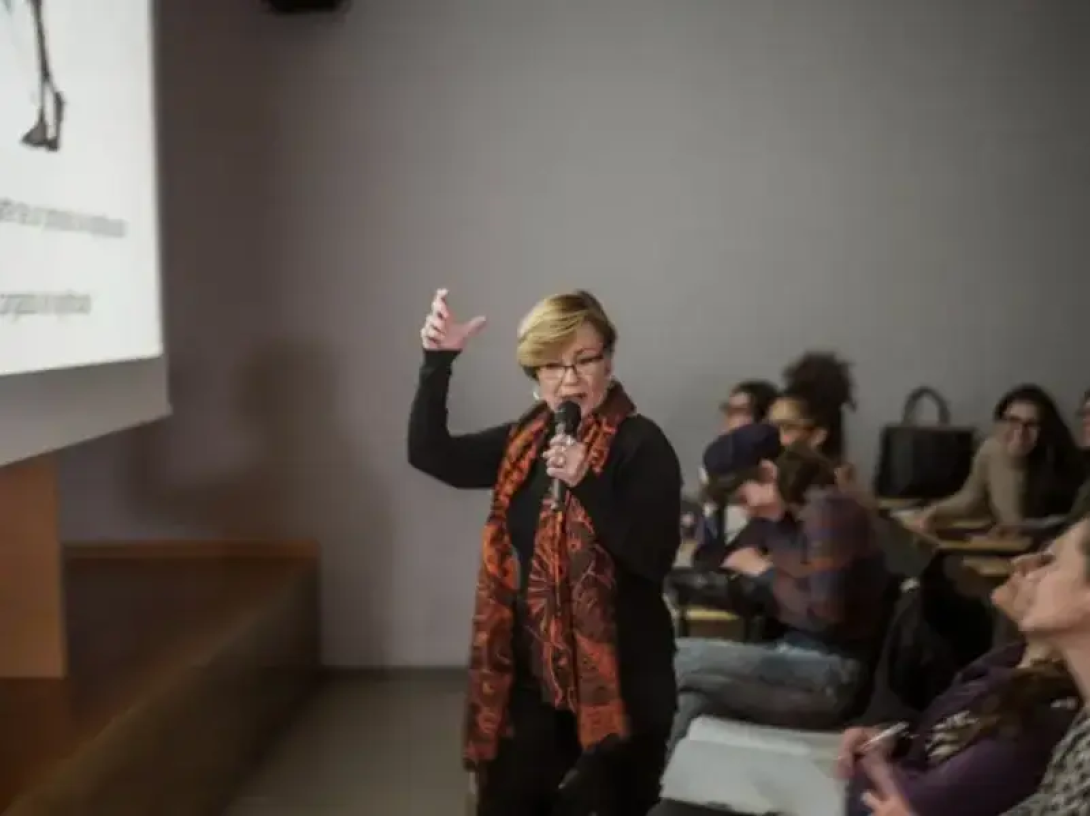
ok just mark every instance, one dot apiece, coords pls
pixel 1058 613
pixel 1029 468
pixel 748 402
pixel 983 745
pixel 724 520
pixel 815 568
pixel 818 387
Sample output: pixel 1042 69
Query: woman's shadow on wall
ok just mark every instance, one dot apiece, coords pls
pixel 302 478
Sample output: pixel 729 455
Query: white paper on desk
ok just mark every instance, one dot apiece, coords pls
pixel 755 778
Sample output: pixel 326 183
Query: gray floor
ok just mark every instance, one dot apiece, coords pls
pixel 373 744
pixel 367 744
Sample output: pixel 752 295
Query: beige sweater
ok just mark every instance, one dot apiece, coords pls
pixel 993 489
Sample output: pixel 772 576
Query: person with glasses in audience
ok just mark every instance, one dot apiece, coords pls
pixel 748 402
pixel 1029 468
pixel 571 684
pixel 1058 613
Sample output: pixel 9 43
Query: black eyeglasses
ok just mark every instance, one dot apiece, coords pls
pixel 793 426
pixel 1022 424
pixel 583 367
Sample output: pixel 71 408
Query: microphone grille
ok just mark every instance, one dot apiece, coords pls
pixel 568 414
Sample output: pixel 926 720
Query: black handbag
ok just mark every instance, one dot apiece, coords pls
pixel 924 462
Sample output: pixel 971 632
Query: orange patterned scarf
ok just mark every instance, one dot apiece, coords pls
pixel 569 598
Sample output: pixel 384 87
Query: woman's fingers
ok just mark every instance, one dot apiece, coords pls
pixel 433 330
pixel 555 459
pixel 439 304
pixel 435 323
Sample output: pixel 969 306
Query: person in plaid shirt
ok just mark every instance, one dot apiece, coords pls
pixel 817 569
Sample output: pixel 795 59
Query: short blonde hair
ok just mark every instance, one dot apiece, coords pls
pixel 552 323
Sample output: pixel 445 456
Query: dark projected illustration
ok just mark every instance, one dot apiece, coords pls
pixel 45 133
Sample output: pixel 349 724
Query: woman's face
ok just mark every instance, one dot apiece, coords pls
pixel 1059 602
pixel 581 373
pixel 737 411
pixel 1019 428
pixel 1084 422
pixel 794 426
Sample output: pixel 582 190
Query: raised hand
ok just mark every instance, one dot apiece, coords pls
pixel 441 332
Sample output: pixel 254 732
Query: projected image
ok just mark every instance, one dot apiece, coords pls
pixel 79 219
pixel 45 133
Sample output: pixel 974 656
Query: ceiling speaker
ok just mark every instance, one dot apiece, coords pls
pixel 305 6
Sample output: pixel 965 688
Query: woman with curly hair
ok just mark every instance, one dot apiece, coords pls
pixel 810 411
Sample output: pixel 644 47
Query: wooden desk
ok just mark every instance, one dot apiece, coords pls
pixel 993 568
pixel 986 545
pixel 918 547
pixel 701 616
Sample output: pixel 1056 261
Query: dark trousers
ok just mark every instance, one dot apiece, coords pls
pixel 525 777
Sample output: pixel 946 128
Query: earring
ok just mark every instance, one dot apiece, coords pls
pixel 536 395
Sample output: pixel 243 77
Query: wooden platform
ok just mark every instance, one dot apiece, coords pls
pixel 184 661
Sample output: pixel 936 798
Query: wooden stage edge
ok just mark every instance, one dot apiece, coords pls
pixel 190 549
pixel 184 660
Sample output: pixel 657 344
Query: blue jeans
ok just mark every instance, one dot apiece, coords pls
pixel 767 683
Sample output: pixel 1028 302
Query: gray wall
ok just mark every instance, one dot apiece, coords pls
pixel 50 410
pixel 908 183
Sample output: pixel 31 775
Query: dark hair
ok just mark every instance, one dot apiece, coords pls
pixel 1085 398
pixel 761 394
pixel 1011 708
pixel 1054 468
pixel 800 469
pixel 821 384
pixel 1085 546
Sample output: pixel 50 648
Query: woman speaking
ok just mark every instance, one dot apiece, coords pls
pixel 571 680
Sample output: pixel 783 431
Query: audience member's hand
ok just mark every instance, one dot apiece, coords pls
pixel 441 332
pixel 889 806
pixel 748 561
pixel 923 521
pixel 851 745
pixel 566 460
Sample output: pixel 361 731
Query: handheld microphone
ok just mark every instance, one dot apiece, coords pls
pixel 566 422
